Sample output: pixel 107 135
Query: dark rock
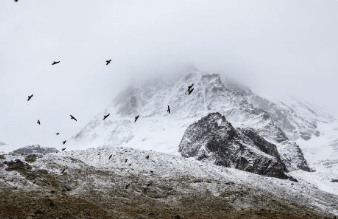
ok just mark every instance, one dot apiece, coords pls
pixel 292 179
pixel 334 180
pixel 176 217
pixel 2 156
pixel 127 186
pixel 49 202
pixel 229 183
pixel 65 186
pixel 18 165
pixel 214 139
pixel 38 212
pixel 31 158
pixel 152 215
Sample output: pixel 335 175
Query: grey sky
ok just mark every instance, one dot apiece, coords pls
pixel 279 46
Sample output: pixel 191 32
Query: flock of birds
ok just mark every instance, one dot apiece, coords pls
pixel 71 116
pixel 190 90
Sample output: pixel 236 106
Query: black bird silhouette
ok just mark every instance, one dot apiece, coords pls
pixel 57 133
pixel 108 61
pixel 54 63
pixel 189 87
pixel 64 142
pixel 110 157
pixel 136 118
pixel 105 117
pixel 29 97
pixel 39 122
pixel 16 0
pixel 168 110
pixel 147 157
pixel 125 160
pixel 63 170
pixel 63 149
pixel 72 117
pixel 190 91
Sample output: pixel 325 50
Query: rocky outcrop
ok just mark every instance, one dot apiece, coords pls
pixel 31 158
pixel 34 149
pixel 213 138
pixel 292 156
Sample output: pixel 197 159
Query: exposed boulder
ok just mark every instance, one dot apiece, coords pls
pixel 213 138
pixel 31 158
pixel 17 165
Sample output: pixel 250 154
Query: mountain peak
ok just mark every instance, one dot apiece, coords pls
pixel 272 120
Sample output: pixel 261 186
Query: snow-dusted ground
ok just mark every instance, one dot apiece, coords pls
pixel 133 161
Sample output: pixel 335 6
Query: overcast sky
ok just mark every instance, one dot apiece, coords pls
pixel 274 46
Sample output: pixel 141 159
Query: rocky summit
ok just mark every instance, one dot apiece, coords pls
pixel 213 138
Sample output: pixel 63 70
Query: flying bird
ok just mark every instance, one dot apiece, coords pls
pixel 190 91
pixel 110 157
pixel 16 0
pixel 57 133
pixel 136 118
pixel 63 149
pixel 108 61
pixel 39 122
pixel 105 117
pixel 54 63
pixel 29 97
pixel 63 170
pixel 168 110
pixel 72 117
pixel 64 142
pixel 189 87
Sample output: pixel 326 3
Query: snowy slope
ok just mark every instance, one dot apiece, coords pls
pixel 104 169
pixel 157 130
pixel 133 161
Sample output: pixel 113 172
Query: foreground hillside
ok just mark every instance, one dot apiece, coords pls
pixel 148 184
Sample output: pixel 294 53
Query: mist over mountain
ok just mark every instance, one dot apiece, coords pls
pixel 279 121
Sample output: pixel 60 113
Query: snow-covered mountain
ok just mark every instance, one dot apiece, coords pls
pixel 305 137
pixel 290 124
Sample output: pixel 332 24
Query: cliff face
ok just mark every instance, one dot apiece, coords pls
pixel 214 139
